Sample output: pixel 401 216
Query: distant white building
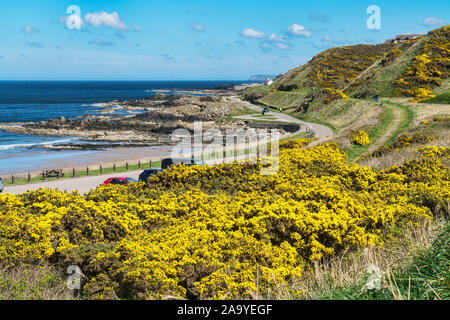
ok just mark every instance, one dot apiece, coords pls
pixel 268 81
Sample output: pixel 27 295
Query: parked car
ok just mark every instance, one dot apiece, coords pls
pixel 166 163
pixel 266 110
pixel 120 181
pixel 148 173
pixel 1 185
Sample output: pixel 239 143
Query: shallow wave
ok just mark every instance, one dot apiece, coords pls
pixel 30 145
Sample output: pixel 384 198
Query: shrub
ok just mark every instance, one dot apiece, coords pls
pixel 331 95
pixel 390 57
pixel 225 231
pixel 403 142
pixel 294 144
pixel 440 99
pixel 360 138
pixel 428 69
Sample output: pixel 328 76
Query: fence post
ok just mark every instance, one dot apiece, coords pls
pixel 151 164
pixel 114 167
pixel 126 166
pixel 101 169
pixel 87 170
pixel 74 172
pixel 139 165
pixel 44 175
pixel 12 179
pixel 29 177
pixel 59 173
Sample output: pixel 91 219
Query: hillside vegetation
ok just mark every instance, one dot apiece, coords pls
pixel 414 69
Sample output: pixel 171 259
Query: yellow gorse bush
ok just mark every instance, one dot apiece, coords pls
pixel 222 231
pixel 391 56
pixel 332 94
pixel 428 69
pixel 360 138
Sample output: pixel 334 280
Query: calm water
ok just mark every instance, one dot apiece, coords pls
pixel 32 101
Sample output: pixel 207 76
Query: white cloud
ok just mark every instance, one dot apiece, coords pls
pixel 110 20
pixel 251 33
pixel 283 46
pixel 433 21
pixel 298 30
pixel 30 30
pixel 137 28
pixel 275 38
pixel 275 41
pixel 265 47
pixel 198 27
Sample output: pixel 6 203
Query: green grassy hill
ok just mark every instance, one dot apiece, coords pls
pixel 416 68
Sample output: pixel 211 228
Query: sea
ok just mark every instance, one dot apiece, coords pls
pixel 33 101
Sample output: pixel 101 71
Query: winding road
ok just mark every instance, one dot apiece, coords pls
pixel 320 130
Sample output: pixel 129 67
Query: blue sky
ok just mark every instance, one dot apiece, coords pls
pixel 191 40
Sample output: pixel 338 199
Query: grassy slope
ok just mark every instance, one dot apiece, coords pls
pixel 333 68
pixel 284 99
pixel 379 78
pixel 425 276
pixel 444 88
pixel 440 99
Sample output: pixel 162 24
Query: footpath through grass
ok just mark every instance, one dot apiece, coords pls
pixel 396 118
pixel 406 123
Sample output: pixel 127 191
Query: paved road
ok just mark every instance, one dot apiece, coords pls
pixel 85 184
pixel 82 184
pixel 320 130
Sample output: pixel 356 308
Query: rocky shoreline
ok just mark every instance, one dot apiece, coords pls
pixel 142 123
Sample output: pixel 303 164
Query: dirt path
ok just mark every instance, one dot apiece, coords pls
pixel 399 116
pixel 320 130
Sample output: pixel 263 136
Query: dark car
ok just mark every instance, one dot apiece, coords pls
pixel 120 181
pixel 148 173
pixel 266 110
pixel 166 163
pixel 1 185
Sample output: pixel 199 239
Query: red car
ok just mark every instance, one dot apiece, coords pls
pixel 120 181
